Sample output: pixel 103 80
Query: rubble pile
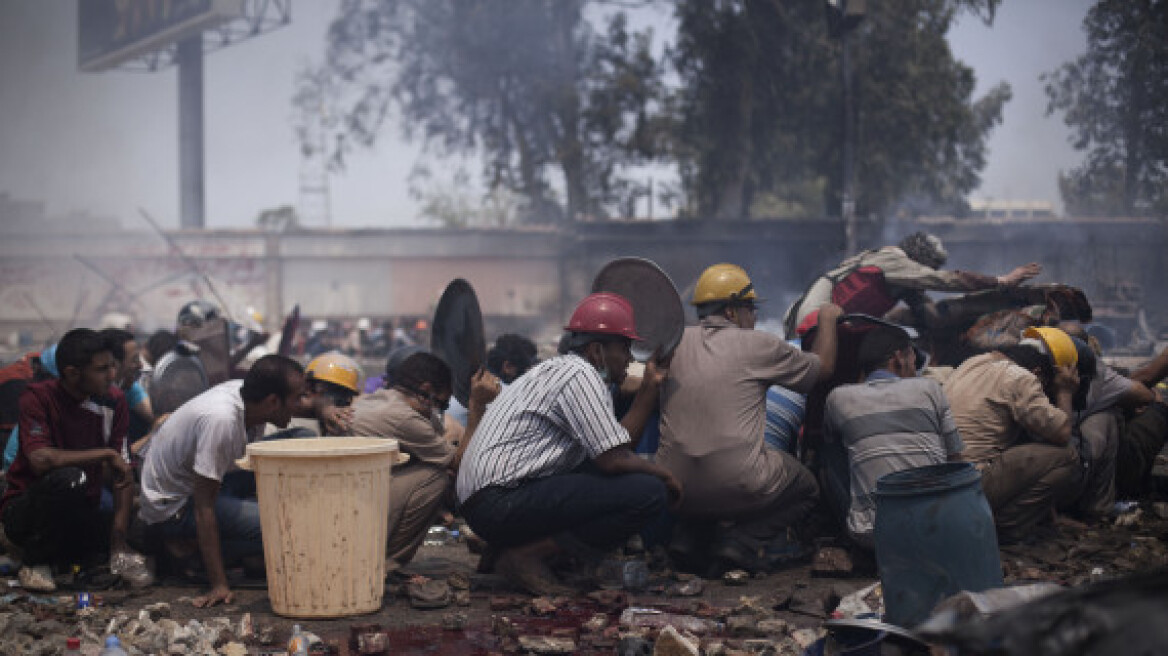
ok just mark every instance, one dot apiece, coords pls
pixel 1073 554
pixel 42 625
pixel 457 611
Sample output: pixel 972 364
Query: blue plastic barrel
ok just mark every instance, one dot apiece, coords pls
pixel 934 538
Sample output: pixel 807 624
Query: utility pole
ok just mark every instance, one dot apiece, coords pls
pixel 848 200
pixel 843 16
pixel 190 133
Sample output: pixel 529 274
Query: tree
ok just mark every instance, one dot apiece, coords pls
pixel 1113 99
pixel 760 106
pixel 457 205
pixel 548 101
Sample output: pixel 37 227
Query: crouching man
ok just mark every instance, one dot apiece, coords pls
pixel 410 411
pixel 889 422
pixel 999 398
pixel 184 498
pixel 550 470
pixel 72 437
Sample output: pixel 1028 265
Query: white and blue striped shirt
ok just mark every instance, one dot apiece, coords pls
pixel 546 422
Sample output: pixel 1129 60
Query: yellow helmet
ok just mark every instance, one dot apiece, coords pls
pixel 723 283
pixel 1058 343
pixel 337 369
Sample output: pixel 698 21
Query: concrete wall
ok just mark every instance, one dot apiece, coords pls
pixel 523 277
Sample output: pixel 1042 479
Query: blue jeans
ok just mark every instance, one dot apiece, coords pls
pixel 238 518
pixel 587 512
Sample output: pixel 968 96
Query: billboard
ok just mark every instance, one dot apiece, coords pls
pixel 113 31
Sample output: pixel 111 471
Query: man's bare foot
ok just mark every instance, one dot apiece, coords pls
pixel 525 568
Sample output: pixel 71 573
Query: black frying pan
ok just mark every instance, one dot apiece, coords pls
pixel 456 335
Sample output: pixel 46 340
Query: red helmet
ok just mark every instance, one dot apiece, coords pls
pixel 604 313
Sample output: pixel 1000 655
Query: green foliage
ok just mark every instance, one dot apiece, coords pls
pixel 1113 98
pixel 761 104
pixel 562 98
pixel 457 205
pixel 529 85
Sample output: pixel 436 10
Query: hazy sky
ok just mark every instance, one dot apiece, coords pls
pixel 106 143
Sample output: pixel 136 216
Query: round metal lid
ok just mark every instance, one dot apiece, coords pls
pixel 657 307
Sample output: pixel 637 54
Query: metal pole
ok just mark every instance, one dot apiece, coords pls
pixel 650 199
pixel 848 201
pixel 190 132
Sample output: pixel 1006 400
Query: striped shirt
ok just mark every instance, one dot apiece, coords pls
pixel 785 410
pixel 549 421
pixel 887 424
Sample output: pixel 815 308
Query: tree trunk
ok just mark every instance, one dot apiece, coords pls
pixel 730 201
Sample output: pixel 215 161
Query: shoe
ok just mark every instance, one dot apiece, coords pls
pixel 37 578
pixel 531 574
pixel 689 548
pixel 10 547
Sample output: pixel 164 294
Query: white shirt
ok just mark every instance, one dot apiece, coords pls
pixel 548 421
pixel 203 438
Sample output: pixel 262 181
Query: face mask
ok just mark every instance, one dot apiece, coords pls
pixel 603 369
pixel 437 421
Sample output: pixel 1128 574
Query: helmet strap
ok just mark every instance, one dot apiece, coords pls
pixel 740 294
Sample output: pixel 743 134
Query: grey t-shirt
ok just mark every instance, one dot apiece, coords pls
pixel 204 437
pixel 1105 390
pixel 887 425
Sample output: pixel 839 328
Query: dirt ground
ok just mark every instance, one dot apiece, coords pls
pixel 499 620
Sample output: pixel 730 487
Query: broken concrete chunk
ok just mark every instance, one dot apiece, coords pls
pixel 832 562
pixel 736 577
pixel 233 649
pixel 543 606
pixel 246 627
pixel 547 644
pixel 157 611
pixel 429 594
pixel 671 643
pixel 598 622
pixel 1131 519
pixel 773 627
pixel 805 637
pixel 613 599
pixel 503 627
pixel 741 625
pixel 266 635
pixel 1160 508
pixel 651 618
pixel 690 588
pixel 455 621
pixel 458 581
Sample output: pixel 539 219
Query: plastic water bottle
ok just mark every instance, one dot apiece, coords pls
pixel 113 647
pixel 73 647
pixel 298 645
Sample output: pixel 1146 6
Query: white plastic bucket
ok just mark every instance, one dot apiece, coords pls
pixel 324 509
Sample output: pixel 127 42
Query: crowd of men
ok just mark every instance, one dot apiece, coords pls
pixel 550 476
